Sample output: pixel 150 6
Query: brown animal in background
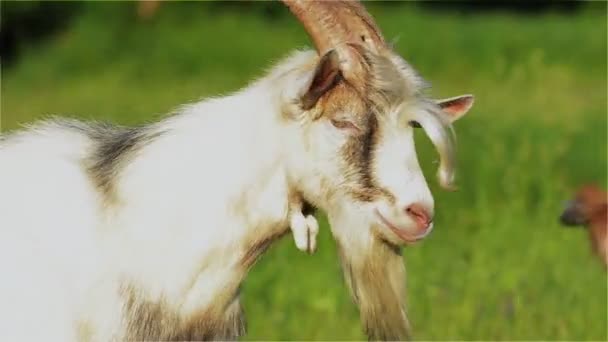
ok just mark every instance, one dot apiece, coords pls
pixel 147 8
pixel 590 209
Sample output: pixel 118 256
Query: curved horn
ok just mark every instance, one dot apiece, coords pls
pixel 332 23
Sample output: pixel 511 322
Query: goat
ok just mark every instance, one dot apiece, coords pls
pixel 146 233
pixel 590 209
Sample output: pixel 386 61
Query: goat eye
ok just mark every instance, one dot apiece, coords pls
pixel 415 124
pixel 343 124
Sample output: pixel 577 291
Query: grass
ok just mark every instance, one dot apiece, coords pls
pixel 498 266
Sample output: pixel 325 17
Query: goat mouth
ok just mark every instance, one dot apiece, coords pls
pixel 400 232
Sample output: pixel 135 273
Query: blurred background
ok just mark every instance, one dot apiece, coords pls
pixel 497 266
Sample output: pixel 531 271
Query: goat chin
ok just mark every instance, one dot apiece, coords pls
pixel 151 239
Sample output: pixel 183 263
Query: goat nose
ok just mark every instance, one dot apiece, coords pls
pixel 419 214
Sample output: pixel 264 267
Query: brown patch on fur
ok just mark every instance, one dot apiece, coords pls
pixel 590 209
pixel 598 235
pixel 375 275
pixel 259 246
pixel 327 75
pixel 157 320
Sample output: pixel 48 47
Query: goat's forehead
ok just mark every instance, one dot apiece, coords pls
pixel 391 83
pixel 346 99
pixel 385 88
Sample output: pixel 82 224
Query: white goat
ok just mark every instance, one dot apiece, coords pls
pixel 146 233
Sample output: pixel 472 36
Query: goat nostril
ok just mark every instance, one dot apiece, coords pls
pixel 419 213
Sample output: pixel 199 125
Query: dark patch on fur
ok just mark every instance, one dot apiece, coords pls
pixel 308 208
pixel 258 248
pixel 359 156
pixel 157 321
pixel 358 153
pixel 326 76
pixel 113 147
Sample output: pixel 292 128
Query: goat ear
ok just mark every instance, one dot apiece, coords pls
pixel 456 107
pixel 326 76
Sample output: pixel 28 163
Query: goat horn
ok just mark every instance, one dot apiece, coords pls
pixel 331 24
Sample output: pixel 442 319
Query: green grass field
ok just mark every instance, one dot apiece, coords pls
pixel 497 266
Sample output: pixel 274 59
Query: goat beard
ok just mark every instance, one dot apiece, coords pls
pixel 375 274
